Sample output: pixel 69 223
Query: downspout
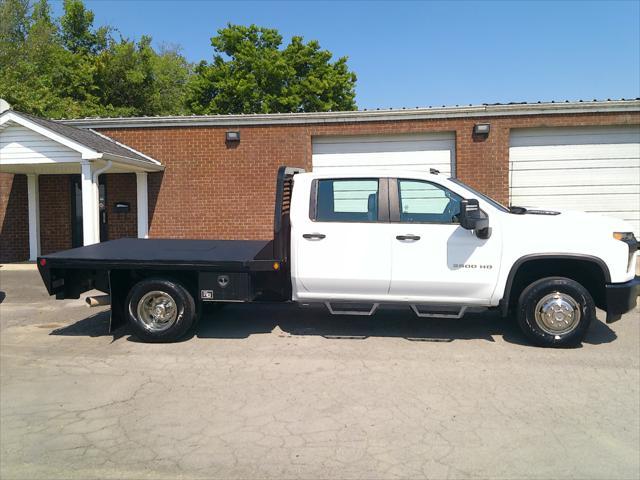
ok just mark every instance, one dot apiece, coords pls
pixel 96 174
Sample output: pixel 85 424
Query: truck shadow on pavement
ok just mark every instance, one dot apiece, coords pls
pixel 242 321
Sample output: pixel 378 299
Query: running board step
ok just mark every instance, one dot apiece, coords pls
pixel 438 312
pixel 346 308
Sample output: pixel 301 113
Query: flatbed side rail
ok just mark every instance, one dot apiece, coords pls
pixel 281 224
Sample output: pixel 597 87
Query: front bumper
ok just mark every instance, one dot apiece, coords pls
pixel 621 297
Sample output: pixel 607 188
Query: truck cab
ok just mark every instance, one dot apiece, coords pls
pixel 436 244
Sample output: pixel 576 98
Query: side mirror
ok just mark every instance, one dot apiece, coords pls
pixel 472 218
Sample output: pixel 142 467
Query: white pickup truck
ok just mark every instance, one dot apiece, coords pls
pixel 354 240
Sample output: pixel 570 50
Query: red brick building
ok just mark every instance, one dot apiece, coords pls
pixel 198 184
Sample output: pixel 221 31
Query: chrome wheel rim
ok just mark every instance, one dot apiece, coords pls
pixel 157 311
pixel 557 313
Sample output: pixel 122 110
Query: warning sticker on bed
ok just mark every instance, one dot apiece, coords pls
pixel 206 294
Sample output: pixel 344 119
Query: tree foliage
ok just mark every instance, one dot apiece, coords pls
pixel 68 67
pixel 251 73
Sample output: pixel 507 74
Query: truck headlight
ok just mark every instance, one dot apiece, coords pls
pixel 626 237
pixel 630 239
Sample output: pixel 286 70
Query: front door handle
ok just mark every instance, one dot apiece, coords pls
pixel 313 236
pixel 408 237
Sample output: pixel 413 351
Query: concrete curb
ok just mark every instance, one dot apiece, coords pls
pixel 12 267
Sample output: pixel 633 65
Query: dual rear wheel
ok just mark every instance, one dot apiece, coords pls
pixel 160 310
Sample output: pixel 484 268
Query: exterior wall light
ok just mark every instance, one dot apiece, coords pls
pixel 482 129
pixel 233 136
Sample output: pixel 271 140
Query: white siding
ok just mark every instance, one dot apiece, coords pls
pixel 595 169
pixel 415 151
pixel 19 144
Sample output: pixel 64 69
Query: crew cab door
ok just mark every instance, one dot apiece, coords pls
pixel 434 259
pixel 342 247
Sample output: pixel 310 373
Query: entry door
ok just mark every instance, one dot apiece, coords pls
pixel 76 210
pixel 343 246
pixel 434 259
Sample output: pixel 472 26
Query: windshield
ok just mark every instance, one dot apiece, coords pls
pixel 489 200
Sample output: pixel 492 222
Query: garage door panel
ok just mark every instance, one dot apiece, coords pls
pixel 575 152
pixel 575 136
pixel 586 202
pixel 634 223
pixel 412 151
pixel 382 145
pixel 551 190
pixel 610 176
pixel 437 159
pixel 577 164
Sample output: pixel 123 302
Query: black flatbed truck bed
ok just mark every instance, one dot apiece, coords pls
pixel 238 255
pixel 211 270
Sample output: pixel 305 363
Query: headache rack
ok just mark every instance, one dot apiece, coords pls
pixel 281 221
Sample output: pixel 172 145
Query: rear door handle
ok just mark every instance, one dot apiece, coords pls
pixel 408 237
pixel 316 236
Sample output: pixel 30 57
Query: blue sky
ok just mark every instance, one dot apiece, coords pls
pixel 409 54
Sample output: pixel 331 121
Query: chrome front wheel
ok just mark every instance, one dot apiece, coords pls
pixel 557 313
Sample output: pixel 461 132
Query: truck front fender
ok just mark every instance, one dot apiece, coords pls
pixel 575 266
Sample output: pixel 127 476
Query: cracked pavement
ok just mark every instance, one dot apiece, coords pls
pixel 285 392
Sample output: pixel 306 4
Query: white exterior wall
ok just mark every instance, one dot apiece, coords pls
pixel 20 145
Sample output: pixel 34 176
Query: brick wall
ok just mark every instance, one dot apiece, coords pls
pixel 213 190
pixel 121 187
pixel 210 189
pixel 55 213
pixel 14 218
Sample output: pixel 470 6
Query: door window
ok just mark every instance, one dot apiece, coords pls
pixel 347 200
pixel 425 202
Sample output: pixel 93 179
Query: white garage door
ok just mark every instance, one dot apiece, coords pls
pixel 594 169
pixel 420 151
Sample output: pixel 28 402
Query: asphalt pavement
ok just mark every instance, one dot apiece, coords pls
pixel 282 392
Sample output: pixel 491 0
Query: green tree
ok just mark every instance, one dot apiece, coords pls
pixel 14 24
pixel 68 68
pixel 172 72
pixel 251 73
pixel 77 33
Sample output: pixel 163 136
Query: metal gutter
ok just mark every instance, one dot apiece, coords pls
pixel 133 162
pixel 519 109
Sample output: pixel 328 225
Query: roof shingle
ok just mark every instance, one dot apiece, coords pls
pixel 89 138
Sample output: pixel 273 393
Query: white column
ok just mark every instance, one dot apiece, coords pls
pixel 34 216
pixel 89 205
pixel 143 204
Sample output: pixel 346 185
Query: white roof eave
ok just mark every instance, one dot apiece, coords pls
pixel 15 117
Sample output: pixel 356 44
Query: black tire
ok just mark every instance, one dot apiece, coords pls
pixel 184 316
pixel 544 335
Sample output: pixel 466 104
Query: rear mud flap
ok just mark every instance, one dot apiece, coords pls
pixel 118 288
